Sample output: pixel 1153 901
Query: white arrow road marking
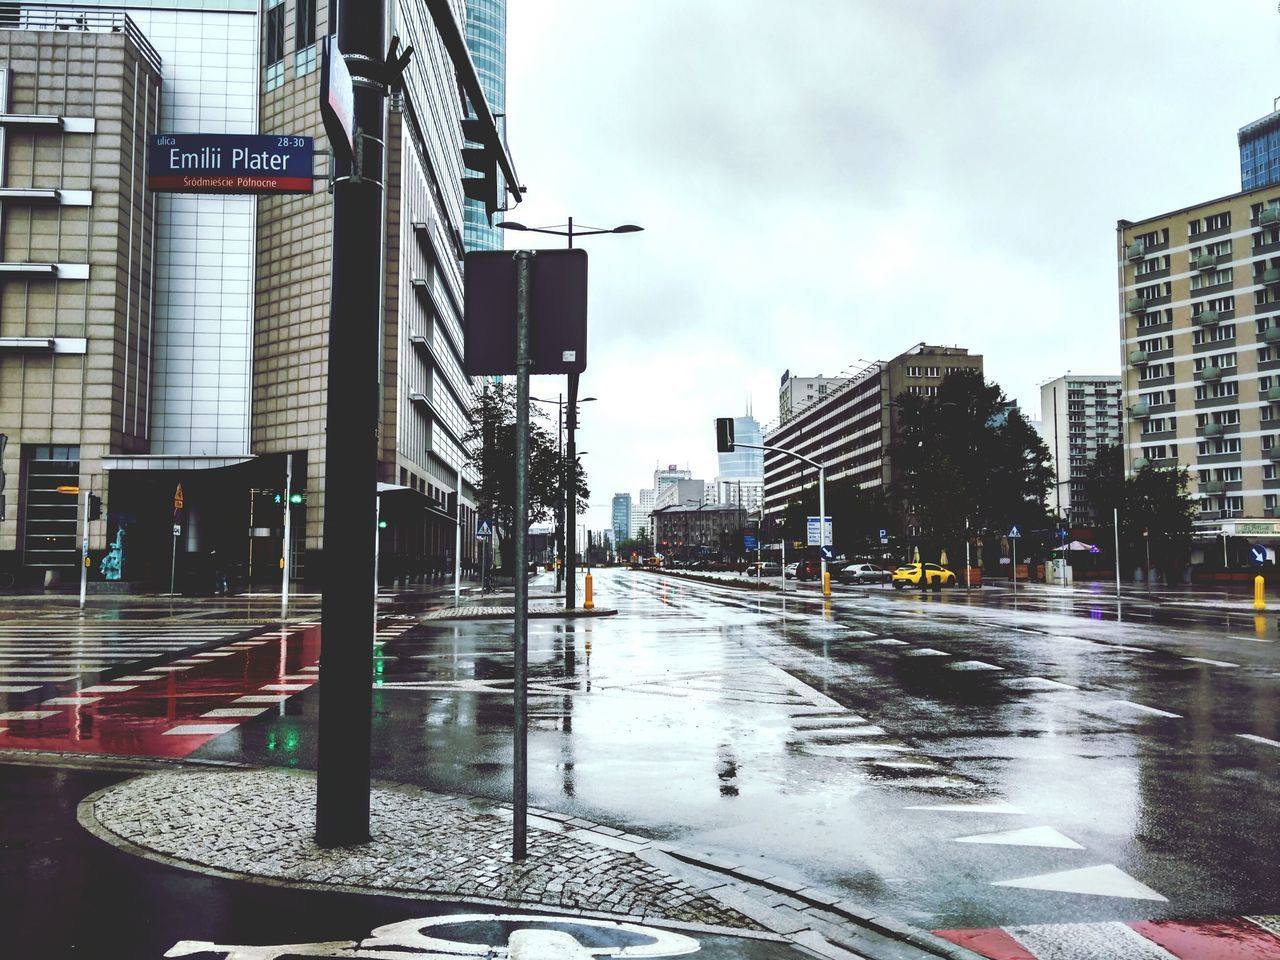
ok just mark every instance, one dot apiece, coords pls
pixel 1025 837
pixel 1104 880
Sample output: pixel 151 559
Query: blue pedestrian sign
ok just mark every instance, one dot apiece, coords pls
pixel 749 541
pixel 484 529
pixel 1014 533
pixel 825 550
pixel 1258 554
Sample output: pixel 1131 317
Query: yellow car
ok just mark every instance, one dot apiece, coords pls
pixel 908 575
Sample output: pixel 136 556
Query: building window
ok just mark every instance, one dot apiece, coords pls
pixel 273 50
pixel 50 517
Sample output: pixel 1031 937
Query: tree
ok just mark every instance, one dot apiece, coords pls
pixel 857 517
pixel 1155 507
pixel 492 445
pixel 964 456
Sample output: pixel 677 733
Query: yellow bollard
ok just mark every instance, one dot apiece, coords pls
pixel 589 604
pixel 1259 593
pixel 826 583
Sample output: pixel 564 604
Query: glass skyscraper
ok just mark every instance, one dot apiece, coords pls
pixel 486 31
pixel 744 464
pixel 1260 152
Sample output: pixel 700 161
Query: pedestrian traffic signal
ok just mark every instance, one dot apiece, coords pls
pixel 297 498
pixel 95 506
pixel 724 434
pixel 484 188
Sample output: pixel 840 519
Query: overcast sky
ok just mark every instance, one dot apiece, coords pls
pixel 826 182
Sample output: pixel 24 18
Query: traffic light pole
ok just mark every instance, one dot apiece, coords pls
pixel 571 496
pixel 84 550
pixel 520 758
pixel 351 448
pixel 286 558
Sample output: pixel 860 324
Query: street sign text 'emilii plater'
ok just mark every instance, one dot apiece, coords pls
pixel 557 314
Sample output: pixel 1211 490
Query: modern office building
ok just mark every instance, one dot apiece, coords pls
pixel 851 429
pixel 796 393
pixel 486 32
pixel 685 532
pixel 665 478
pixel 1260 152
pixel 748 494
pixel 683 491
pixel 155 341
pixel 1200 339
pixel 621 517
pixel 1079 415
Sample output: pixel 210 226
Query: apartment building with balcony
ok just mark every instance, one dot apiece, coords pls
pixel 1200 339
pixel 852 427
pixel 1079 416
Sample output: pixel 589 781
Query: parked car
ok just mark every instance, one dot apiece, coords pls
pixel 908 575
pixel 812 569
pixel 789 571
pixel 864 573
pixel 764 568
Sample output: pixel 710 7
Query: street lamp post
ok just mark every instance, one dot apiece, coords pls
pixel 571 423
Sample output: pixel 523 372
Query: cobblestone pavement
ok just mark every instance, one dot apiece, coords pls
pixel 260 823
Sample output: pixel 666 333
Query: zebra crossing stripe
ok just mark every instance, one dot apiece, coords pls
pixel 1232 938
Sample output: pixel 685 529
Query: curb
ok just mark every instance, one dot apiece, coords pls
pixel 507 613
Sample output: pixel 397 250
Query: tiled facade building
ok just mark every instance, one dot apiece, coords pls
pixel 1200 335
pixel 174 338
pixel 1080 415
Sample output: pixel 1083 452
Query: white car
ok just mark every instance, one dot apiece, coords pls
pixel 791 569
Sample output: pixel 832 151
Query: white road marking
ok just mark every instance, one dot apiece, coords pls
pixel 1257 739
pixel 105 688
pixel 9 688
pixel 1111 940
pixel 68 701
pixel 1146 709
pixel 925 652
pixel 1212 663
pixel 1000 808
pixel 890 642
pixel 263 698
pixel 291 687
pixel 1035 683
pixel 973 665
pixel 169 669
pixel 1024 837
pixel 235 712
pixel 29 714
pixel 138 678
pixel 200 729
pixel 1104 880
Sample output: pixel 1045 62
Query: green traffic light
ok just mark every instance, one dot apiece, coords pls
pixel 296 497
pixel 382 524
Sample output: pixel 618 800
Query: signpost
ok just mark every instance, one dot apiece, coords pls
pixel 484 529
pixel 1014 535
pixel 819 534
pixel 884 536
pixel 230 163
pixel 1258 554
pixel 177 532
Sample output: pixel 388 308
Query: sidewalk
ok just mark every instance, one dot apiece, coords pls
pixel 257 824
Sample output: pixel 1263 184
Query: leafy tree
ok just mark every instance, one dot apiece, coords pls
pixel 857 517
pixel 965 455
pixel 491 441
pixel 1155 500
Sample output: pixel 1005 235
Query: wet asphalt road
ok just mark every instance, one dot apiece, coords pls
pixel 812 737
pixel 1141 744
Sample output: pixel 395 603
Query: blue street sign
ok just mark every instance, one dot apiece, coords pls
pixel 1014 533
pixel 1258 554
pixel 484 529
pixel 884 534
pixel 229 163
pixel 1063 535
pixel 825 550
pixel 749 541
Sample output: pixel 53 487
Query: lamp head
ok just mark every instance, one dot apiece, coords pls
pixel 511 225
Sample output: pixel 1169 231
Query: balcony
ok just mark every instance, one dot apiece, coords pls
pixel 1205 318
pixel 1271 335
pixel 1209 374
pixel 1137 305
pixel 1206 261
pixel 1140 410
pixel 1271 394
pixel 1137 356
pixel 1269 217
pixel 1269 511
pixel 1209 430
pixel 1273 454
pixel 1213 487
pixel 1139 462
pixel 1134 250
pixel 1271 276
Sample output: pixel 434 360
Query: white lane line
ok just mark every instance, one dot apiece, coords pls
pixel 68 701
pixel 138 678
pixel 26 676
pixel 1257 739
pixel 973 665
pixel 1035 683
pixel 201 729
pixel 10 688
pixel 106 688
pixel 1212 663
pixel 215 653
pixel 1146 709
pixel 925 652
pixel 169 669
pixel 905 764
pixel 29 714
pixel 311 668
pixel 1254 639
pixel 291 687
pixel 1024 837
pixel 889 642
pixel 263 698
pixel 235 712
pixel 1104 880
pixel 1000 808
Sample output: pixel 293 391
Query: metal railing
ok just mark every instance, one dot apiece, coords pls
pixel 20 16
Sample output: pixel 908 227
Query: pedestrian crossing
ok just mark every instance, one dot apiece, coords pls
pixel 1235 938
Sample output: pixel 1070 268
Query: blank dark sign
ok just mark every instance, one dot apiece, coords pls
pixel 557 319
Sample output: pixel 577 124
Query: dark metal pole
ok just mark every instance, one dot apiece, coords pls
pixel 571 497
pixel 351 454
pixel 560 494
pixel 520 771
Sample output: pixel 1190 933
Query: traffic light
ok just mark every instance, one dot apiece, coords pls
pixel 484 188
pixel 95 506
pixel 297 497
pixel 724 434
pixel 382 524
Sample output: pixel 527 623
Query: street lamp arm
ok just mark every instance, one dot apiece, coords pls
pixel 790 453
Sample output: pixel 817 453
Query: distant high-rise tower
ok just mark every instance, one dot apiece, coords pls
pixel 487 42
pixel 1260 152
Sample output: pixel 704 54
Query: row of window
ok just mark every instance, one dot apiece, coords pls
pixel 304 40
